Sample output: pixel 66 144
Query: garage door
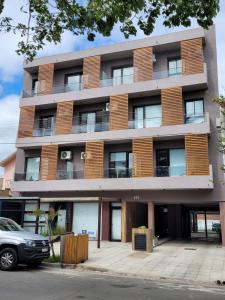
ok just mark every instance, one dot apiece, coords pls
pixel 85 219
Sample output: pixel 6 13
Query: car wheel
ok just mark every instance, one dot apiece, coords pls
pixel 8 259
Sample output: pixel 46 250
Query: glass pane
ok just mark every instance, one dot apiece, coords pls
pixel 69 169
pixel 35 87
pixel 91 120
pixel 153 116
pixel 73 82
pixel 118 163
pixel 32 171
pixel 194 111
pixel 175 67
pixel 128 75
pixel 139 117
pixel 177 162
pixel 117 76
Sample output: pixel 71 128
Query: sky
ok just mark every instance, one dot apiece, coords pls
pixel 11 71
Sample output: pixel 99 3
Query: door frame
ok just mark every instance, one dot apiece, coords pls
pixel 110 226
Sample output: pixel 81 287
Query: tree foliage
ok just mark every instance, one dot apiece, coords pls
pixel 46 20
pixel 221 130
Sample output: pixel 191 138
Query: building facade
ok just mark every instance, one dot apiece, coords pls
pixel 132 123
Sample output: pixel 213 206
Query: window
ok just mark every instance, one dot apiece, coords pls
pixel 120 164
pixel 73 82
pixel 147 116
pixel 32 168
pixel 123 75
pixel 194 110
pixel 175 66
pixel 170 162
pixel 93 121
pixel 45 125
pixel 35 86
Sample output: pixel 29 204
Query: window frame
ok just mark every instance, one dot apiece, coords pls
pixel 144 111
pixel 194 100
pixel 128 153
pixel 26 164
pixel 176 58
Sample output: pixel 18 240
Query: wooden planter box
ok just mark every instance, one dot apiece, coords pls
pixel 142 239
pixel 74 249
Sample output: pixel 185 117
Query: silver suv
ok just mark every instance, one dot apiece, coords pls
pixel 19 246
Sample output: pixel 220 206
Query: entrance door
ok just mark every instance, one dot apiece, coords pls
pixel 116 224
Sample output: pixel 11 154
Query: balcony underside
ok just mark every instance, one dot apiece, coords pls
pixel 117 135
pixel 150 87
pixel 122 184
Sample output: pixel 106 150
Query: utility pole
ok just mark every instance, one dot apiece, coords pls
pixel 99 221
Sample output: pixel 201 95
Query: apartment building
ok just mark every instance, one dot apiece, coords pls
pixel 133 123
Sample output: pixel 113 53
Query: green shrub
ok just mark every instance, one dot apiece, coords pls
pixel 52 259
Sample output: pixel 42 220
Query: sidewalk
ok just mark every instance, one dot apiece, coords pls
pixel 192 261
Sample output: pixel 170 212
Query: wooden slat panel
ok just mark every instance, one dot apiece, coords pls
pixel 197 159
pixel 45 79
pixel 143 63
pixel 64 117
pixel 172 106
pixel 118 112
pixel 142 150
pixel 192 56
pixel 49 157
pixel 91 72
pixel 93 167
pixel 26 123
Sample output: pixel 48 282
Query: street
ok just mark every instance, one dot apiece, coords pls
pixel 48 284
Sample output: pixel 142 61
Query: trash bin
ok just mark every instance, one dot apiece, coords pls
pixel 142 239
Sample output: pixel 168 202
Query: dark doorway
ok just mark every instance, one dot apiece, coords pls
pixel 161 221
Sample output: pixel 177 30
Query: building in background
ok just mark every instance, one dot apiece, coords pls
pixel 132 123
pixel 9 169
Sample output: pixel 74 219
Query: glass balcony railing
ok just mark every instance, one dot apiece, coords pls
pixel 43 127
pixel 194 118
pixel 101 124
pixel 118 172
pixel 145 122
pixel 170 171
pixel 118 80
pixel 64 175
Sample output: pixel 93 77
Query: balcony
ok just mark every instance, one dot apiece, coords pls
pixel 88 126
pixel 118 84
pixel 44 127
pixel 112 184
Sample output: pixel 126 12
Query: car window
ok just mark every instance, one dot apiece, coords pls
pixel 9 225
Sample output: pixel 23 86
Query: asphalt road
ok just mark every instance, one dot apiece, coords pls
pixel 49 284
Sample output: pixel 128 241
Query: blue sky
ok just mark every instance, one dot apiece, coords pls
pixel 11 66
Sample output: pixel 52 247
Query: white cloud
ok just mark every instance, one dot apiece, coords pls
pixel 9 116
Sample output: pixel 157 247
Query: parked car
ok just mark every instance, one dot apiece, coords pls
pixel 19 246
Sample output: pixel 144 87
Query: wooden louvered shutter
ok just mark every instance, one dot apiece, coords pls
pixel 197 159
pixel 49 158
pixel 26 122
pixel 143 63
pixel 118 116
pixel 142 150
pixel 94 160
pixel 91 72
pixel 64 117
pixel 45 79
pixel 172 106
pixel 192 56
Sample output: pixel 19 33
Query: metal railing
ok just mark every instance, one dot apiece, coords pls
pixel 170 171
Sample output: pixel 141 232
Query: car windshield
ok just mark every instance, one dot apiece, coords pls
pixel 9 225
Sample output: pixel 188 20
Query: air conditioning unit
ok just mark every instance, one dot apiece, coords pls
pixel 66 155
pixel 154 58
pixel 83 155
pixel 107 106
